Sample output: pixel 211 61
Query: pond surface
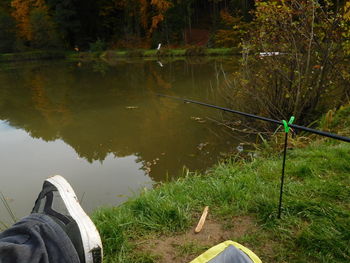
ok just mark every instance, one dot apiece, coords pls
pixel 103 127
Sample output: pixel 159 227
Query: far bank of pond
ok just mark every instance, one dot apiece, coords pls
pixel 134 53
pixel 242 196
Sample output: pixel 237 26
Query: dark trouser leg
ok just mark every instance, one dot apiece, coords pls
pixel 36 238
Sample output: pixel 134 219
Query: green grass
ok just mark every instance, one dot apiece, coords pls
pixel 178 52
pixel 153 53
pixel 315 226
pixel 139 53
pixel 150 53
pixel 32 55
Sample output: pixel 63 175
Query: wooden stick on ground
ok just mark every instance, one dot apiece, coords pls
pixel 202 220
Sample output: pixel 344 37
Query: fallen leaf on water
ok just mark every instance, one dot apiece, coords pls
pixel 9 199
pixel 202 145
pixel 198 119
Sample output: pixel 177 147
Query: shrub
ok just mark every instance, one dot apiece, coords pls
pixel 233 29
pixel 164 52
pixel 134 53
pixel 302 59
pixel 44 34
pixel 98 46
pixel 195 51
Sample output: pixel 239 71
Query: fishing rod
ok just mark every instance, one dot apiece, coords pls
pixel 294 126
pixel 287 126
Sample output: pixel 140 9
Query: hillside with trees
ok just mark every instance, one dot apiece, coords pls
pixel 68 24
pixel 118 24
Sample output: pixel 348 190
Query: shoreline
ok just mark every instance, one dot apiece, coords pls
pixel 242 197
pixel 110 54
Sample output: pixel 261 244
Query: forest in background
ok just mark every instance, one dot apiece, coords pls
pixel 27 25
pixel 68 24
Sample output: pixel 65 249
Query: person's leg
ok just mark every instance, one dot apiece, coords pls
pixel 58 226
pixel 36 238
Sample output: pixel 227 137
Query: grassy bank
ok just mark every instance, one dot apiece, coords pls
pixel 315 226
pixel 134 53
pixel 35 55
pixel 192 51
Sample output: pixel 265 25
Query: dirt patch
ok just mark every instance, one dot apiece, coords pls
pixel 185 247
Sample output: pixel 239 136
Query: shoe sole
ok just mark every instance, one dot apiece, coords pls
pixel 90 237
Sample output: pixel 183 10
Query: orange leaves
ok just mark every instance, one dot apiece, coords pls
pixel 21 13
pixel 155 21
pixel 144 13
pixel 162 6
pixel 227 18
pixel 234 30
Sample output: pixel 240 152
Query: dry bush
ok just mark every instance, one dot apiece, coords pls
pixel 303 64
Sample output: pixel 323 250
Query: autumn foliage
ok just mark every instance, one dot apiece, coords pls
pixel 293 55
pixel 161 6
pixel 78 24
pixel 21 12
pixel 233 30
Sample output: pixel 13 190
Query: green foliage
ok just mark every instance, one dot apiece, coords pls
pixel 65 17
pixel 234 29
pixel 121 23
pixel 195 51
pixel 98 46
pixel 7 32
pixel 292 57
pixel 43 30
pixel 346 25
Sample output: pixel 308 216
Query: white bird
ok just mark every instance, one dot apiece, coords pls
pixel 159 45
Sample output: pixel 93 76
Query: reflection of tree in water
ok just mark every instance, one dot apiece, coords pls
pixel 52 112
pixel 91 112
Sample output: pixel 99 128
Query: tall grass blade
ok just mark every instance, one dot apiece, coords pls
pixel 7 207
pixel 3 226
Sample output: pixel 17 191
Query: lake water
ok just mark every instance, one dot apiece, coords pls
pixel 103 127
